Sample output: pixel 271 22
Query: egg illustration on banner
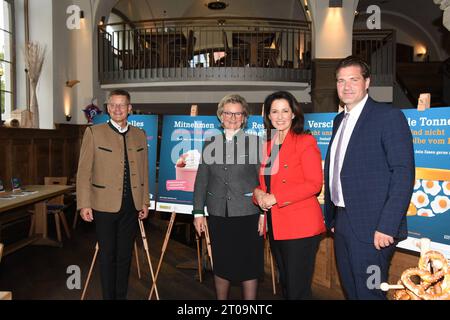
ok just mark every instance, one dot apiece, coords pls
pixel 425 213
pixel 446 187
pixel 420 199
pixel 417 185
pixel 440 204
pixel 431 187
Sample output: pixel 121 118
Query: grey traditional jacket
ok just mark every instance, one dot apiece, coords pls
pixel 227 176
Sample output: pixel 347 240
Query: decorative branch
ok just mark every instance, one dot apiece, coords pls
pixel 34 59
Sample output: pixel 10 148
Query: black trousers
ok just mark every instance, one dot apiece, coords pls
pixel 295 261
pixel 116 233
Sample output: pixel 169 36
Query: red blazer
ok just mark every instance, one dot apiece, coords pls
pixel 296 181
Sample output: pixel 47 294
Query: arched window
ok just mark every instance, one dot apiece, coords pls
pixel 7 64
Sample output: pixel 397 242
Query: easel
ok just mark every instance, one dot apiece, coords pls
pixel 267 242
pixel 145 243
pixel 194 112
pixel 272 269
pixel 4 295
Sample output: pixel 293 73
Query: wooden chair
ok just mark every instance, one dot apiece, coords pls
pixel 235 56
pixel 127 58
pixel 4 295
pixel 187 52
pixel 268 56
pixel 56 207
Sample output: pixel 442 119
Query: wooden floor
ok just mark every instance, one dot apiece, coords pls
pixel 38 272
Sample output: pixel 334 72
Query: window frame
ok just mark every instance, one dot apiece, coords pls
pixel 11 62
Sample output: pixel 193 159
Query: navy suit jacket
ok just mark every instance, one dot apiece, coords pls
pixel 377 174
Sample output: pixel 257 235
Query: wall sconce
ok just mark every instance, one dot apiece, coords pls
pixel 335 4
pixel 102 21
pixel 421 51
pixel 81 14
pixel 68 117
pixel 71 83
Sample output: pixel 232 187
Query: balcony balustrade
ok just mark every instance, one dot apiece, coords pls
pixel 199 49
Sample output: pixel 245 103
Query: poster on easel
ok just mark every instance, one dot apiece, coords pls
pixel 429 210
pixel 320 126
pixel 149 123
pixel 181 147
pixel 428 215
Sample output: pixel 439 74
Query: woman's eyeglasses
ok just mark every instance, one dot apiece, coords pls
pixel 233 114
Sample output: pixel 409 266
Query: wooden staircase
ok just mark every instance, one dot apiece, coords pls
pixel 422 77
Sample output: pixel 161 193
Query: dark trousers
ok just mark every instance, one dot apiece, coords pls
pixel 361 266
pixel 295 261
pixel 116 233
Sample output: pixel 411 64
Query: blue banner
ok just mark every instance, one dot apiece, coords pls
pixel 321 127
pixel 429 210
pixel 149 123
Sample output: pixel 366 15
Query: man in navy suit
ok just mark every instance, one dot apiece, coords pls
pixel 369 178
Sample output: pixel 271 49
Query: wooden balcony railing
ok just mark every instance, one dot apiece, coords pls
pixel 377 47
pixel 205 49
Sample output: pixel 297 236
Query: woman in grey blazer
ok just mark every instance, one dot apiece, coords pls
pixel 225 180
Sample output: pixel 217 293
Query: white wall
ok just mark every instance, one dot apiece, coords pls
pixel 75 58
pixel 69 56
pixel 409 32
pixel 65 62
pixel 194 97
pixel 332 29
pixel 41 30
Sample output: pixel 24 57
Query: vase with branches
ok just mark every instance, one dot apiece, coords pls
pixel 34 59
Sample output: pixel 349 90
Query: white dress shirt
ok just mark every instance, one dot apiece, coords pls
pixel 351 122
pixel 118 127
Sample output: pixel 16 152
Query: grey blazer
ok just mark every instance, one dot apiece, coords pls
pixel 227 174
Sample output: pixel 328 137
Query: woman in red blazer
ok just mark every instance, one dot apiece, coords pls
pixel 290 179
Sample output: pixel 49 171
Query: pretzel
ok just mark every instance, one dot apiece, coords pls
pixel 436 259
pixel 434 274
pixel 425 290
pixel 435 289
pixel 403 294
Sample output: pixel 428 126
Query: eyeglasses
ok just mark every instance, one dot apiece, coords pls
pixel 231 114
pixel 117 105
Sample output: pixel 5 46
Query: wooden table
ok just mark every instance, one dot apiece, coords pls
pixel 44 192
pixel 254 40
